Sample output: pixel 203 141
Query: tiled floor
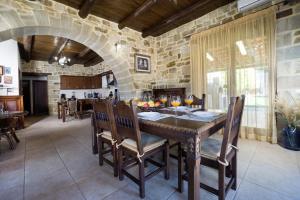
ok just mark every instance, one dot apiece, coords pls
pixel 54 161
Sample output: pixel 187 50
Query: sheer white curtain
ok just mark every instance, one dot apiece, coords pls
pixel 238 58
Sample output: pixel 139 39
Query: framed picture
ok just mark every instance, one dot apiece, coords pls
pixel 142 63
pixel 8 79
pixel 7 70
pixel 1 70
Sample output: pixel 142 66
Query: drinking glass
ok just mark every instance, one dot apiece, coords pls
pixel 189 100
pixel 163 99
pixel 175 101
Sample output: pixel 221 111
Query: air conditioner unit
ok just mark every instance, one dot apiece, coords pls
pixel 245 5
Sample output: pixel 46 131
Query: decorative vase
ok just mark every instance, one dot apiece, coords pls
pixel 291 138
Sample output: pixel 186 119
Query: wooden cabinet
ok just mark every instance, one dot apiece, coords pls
pixel 12 103
pixel 80 82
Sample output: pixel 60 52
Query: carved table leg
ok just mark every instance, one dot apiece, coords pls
pixel 193 161
pixel 63 113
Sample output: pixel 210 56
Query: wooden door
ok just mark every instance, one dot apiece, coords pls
pixel 40 97
pixel 26 95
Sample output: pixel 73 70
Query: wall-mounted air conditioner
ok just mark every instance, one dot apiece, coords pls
pixel 245 5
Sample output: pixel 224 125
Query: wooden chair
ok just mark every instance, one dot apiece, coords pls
pixel 222 154
pixel 7 129
pixel 136 148
pixel 199 102
pixel 103 122
pixel 70 109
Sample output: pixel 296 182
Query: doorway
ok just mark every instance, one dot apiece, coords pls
pixel 35 94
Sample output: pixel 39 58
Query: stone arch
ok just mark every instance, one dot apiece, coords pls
pixel 39 21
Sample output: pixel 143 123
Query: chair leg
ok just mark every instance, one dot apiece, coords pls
pixel 10 141
pixel 221 182
pixel 228 170
pixel 234 172
pixel 180 169
pixel 142 178
pixel 115 160
pixel 120 164
pixel 100 150
pixel 167 161
pixel 13 133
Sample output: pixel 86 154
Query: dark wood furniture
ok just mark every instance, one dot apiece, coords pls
pixel 85 106
pixel 199 102
pixel 14 103
pixel 69 108
pixel 189 133
pixel 105 132
pixel 135 147
pixel 80 82
pixel 169 92
pixel 221 154
pixel 8 124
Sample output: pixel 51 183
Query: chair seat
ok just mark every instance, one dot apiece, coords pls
pixel 106 135
pixel 211 148
pixel 149 142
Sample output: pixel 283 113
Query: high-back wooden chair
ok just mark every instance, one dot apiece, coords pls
pixel 199 102
pixel 135 147
pixel 105 132
pixel 221 154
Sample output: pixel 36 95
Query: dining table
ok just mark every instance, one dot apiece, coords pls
pixel 179 126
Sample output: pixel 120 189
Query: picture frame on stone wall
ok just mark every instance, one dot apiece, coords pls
pixel 142 63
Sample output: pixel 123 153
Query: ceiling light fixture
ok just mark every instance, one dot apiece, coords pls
pixel 209 57
pixel 62 60
pixel 241 47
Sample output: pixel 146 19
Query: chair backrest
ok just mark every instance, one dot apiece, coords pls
pixel 127 123
pixel 233 123
pixel 103 118
pixel 199 102
pixel 72 105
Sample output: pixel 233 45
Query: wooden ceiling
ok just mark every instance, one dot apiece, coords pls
pixel 46 48
pixel 151 17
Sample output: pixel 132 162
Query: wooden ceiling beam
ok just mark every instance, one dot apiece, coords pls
pixel 181 16
pixel 86 8
pixel 59 48
pixel 94 61
pixel 143 8
pixel 28 43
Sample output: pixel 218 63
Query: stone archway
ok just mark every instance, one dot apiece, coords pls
pixel 34 18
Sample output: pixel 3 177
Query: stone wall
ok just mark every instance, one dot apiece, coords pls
pixel 46 17
pixel 173 49
pixel 288 50
pixel 54 79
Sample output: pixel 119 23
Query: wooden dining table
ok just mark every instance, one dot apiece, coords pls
pixel 190 133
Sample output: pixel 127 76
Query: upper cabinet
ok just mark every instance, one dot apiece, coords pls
pixel 80 82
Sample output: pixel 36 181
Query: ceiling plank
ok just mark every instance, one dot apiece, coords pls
pixel 182 17
pixel 59 48
pixel 86 8
pixel 95 60
pixel 143 8
pixel 79 56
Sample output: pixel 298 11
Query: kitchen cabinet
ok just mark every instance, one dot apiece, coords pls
pixel 80 82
